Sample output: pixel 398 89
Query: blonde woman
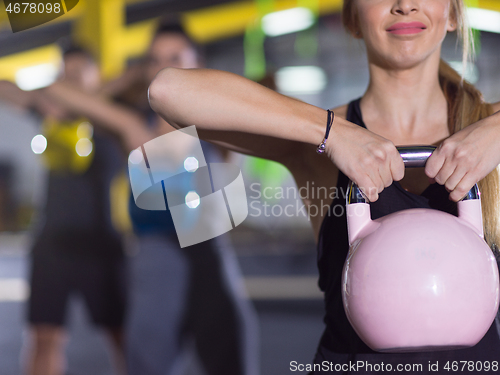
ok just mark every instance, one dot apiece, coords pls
pixel 413 97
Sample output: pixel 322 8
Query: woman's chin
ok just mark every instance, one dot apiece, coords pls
pixel 401 60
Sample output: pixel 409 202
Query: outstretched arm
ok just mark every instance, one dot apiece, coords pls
pixel 9 92
pixel 241 114
pixel 131 77
pixel 115 118
pixel 249 118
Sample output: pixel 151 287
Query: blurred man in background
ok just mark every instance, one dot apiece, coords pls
pixel 76 249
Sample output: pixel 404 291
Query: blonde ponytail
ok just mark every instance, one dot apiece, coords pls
pixel 465 107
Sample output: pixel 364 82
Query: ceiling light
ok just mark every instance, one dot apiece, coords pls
pixel 484 19
pixel 301 79
pixel 471 73
pixel 36 76
pixel 287 21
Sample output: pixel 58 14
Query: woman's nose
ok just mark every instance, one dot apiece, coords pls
pixel 404 7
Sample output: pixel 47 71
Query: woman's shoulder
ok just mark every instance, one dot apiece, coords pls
pixel 496 106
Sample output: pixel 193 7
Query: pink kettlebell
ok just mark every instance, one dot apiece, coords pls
pixel 419 279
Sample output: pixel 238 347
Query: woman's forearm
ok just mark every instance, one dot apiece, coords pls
pixel 221 101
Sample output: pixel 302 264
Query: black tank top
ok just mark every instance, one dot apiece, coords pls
pixel 339 337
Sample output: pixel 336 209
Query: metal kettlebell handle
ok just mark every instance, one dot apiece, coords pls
pixel 413 157
pixel 359 221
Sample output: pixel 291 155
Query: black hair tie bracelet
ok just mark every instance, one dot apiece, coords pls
pixel 322 145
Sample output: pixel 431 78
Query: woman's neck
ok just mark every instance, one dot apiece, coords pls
pixel 406 103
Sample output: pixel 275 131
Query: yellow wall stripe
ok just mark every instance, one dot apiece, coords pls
pixel 9 65
pixel 228 20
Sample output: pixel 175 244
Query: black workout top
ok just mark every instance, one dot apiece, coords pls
pixel 76 220
pixel 339 337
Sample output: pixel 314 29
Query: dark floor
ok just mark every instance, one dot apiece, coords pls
pixel 290 318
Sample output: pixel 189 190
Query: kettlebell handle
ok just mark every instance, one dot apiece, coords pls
pixel 359 222
pixel 413 157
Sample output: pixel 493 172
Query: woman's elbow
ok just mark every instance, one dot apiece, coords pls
pixel 159 89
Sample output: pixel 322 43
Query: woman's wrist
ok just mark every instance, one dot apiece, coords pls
pixel 315 126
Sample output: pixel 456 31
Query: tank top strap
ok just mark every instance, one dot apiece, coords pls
pixel 354 113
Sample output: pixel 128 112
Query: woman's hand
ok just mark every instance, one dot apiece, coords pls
pixel 368 159
pixel 466 157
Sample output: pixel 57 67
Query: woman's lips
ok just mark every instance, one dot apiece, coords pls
pixel 406 28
